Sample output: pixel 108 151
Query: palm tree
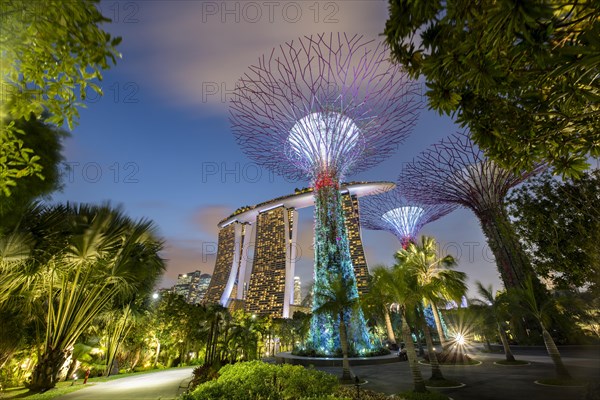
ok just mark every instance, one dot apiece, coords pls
pixel 435 282
pixel 15 313
pixel 379 302
pixel 399 284
pixel 117 322
pixel 435 277
pixel 214 319
pixel 525 299
pixel 337 303
pixel 83 258
pixel 495 305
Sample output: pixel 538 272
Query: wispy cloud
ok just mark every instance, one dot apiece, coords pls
pixel 191 53
pixel 207 217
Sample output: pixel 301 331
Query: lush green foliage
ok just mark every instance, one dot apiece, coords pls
pixel 559 224
pixel 521 75
pixel 45 141
pixel 52 52
pixel 257 380
pixel 65 265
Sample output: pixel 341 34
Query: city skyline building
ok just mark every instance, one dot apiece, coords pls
pixel 192 286
pixel 271 281
pixel 230 265
pixel 268 274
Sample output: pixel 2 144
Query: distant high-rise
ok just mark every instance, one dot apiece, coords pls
pixel 192 286
pixel 297 291
pixel 182 287
pixel 203 283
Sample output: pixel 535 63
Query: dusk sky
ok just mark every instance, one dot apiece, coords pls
pixel 159 141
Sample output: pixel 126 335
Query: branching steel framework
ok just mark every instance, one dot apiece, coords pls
pixel 321 108
pixel 455 171
pixel 393 212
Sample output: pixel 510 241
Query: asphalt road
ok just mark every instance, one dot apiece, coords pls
pixel 488 381
pixel 160 385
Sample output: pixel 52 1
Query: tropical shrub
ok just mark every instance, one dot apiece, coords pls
pixel 204 373
pixel 258 380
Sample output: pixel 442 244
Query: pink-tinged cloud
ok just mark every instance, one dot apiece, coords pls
pixel 206 219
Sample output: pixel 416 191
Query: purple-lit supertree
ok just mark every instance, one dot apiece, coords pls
pixel 455 171
pixel 393 212
pixel 320 108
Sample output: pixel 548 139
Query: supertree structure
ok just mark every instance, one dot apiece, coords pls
pixel 456 171
pixel 392 211
pixel 321 108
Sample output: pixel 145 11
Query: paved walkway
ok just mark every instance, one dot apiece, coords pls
pixel 489 381
pixel 160 385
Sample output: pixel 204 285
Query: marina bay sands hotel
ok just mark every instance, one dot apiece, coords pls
pixel 270 230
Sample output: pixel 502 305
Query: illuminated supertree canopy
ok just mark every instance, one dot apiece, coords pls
pixel 455 171
pixel 393 212
pixel 330 102
pixel 321 108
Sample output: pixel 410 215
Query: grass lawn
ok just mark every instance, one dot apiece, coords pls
pixel 64 387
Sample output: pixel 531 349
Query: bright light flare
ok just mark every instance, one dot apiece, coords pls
pixel 460 339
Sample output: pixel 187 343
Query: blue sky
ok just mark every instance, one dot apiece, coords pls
pixel 159 143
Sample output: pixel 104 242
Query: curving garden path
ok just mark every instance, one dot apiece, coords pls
pixel 160 385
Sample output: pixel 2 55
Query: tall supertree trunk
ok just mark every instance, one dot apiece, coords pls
pixel 332 257
pixel 512 262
